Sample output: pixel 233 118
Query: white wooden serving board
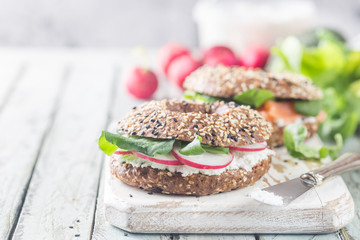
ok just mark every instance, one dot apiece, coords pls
pixel 323 209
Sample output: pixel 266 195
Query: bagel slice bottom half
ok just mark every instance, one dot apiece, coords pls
pixel 167 182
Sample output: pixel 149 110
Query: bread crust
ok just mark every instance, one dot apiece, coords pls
pixel 226 82
pixel 277 136
pixel 219 124
pixel 166 182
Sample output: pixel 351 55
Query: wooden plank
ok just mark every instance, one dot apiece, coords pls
pixel 23 124
pixel 352 180
pixel 10 73
pixel 61 198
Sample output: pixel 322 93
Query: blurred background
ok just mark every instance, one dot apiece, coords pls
pixel 316 38
pixel 123 23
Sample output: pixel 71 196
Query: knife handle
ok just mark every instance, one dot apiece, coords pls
pixel 345 163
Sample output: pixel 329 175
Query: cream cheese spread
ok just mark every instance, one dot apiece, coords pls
pixel 245 160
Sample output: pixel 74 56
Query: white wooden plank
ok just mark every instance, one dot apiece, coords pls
pixel 10 73
pixel 23 123
pixel 61 198
pixel 352 180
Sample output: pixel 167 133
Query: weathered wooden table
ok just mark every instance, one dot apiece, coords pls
pixel 53 105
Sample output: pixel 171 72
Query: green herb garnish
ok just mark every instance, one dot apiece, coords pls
pixel 195 96
pixel 254 97
pixel 196 148
pixel 308 108
pixel 294 136
pixel 109 142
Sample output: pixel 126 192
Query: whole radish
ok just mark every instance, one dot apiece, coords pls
pixel 141 82
pixel 168 53
pixel 254 56
pixel 180 68
pixel 219 55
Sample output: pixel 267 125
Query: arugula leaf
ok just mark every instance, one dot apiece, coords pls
pixel 294 136
pixel 148 146
pixel 308 108
pixel 197 148
pixel 195 96
pixel 254 97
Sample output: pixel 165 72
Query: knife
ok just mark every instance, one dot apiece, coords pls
pixel 290 190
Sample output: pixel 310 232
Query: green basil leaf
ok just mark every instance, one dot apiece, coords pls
pixel 193 148
pixel 308 108
pixel 254 97
pixel 197 148
pixel 195 96
pixel 147 146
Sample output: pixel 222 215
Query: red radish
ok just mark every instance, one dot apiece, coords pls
pixel 141 83
pixel 205 160
pixel 250 148
pixel 166 159
pixel 219 55
pixel 168 53
pixel 254 56
pixel 180 68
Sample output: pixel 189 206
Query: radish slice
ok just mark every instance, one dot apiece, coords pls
pixel 118 152
pixel 251 148
pixel 205 160
pixel 166 159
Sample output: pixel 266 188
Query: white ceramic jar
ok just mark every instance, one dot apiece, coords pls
pixel 237 24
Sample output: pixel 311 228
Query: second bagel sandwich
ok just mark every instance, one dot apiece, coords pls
pixel 178 147
pixel 282 98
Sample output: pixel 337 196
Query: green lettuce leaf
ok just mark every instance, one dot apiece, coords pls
pixel 308 108
pixel 254 97
pixel 196 148
pixel 195 96
pixel 294 136
pixel 109 142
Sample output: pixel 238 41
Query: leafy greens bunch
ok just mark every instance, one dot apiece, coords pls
pixel 323 56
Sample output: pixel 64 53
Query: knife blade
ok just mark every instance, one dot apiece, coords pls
pixel 290 190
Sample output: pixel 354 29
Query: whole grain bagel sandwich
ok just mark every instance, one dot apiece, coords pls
pixel 282 98
pixel 186 148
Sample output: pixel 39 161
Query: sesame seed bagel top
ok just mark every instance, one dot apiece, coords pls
pixel 226 82
pixel 219 124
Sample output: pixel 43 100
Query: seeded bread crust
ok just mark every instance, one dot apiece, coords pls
pixel 277 137
pixel 166 182
pixel 226 82
pixel 219 124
